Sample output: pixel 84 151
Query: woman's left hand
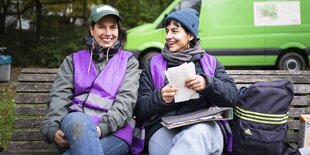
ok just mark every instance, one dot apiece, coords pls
pixel 196 83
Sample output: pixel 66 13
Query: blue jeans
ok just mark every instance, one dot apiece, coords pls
pixel 83 139
pixel 202 138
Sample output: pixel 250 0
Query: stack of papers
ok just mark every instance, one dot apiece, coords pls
pixel 177 77
pixel 211 114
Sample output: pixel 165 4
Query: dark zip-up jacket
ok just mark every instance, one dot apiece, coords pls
pixel 221 91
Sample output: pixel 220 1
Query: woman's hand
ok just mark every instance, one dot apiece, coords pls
pixel 167 93
pixel 60 139
pixel 196 83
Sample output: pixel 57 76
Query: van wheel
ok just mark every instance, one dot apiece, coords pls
pixel 292 61
pixel 146 57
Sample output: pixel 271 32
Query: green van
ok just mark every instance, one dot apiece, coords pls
pixel 238 32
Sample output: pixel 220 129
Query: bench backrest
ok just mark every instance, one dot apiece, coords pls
pixel 34 85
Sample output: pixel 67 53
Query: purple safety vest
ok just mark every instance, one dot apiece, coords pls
pixel 208 63
pixel 94 93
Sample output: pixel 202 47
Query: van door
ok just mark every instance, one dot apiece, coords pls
pixel 287 34
pixel 228 32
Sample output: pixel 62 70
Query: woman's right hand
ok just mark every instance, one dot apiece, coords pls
pixel 167 93
pixel 60 139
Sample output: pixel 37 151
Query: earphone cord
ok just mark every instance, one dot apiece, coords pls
pixel 107 55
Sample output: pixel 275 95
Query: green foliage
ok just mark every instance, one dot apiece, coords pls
pixel 52 49
pixel 139 12
pixel 6 114
pixel 58 35
pixel 19 44
pixel 48 51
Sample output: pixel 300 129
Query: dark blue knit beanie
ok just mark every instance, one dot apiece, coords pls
pixel 189 18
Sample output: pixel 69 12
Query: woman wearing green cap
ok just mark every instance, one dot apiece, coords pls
pixel 156 94
pixel 94 93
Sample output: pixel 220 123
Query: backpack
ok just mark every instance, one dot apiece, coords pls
pixel 260 122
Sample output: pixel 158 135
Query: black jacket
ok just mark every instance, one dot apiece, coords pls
pixel 221 91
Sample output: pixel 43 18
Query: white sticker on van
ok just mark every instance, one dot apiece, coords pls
pixel 277 13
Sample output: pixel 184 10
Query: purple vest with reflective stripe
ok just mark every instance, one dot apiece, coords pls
pixel 159 65
pixel 95 92
pixel 208 63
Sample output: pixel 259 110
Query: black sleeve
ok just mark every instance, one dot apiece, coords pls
pixel 221 89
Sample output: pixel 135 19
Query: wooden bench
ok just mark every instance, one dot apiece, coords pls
pixel 34 85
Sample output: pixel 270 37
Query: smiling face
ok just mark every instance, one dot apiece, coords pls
pixel 105 31
pixel 177 38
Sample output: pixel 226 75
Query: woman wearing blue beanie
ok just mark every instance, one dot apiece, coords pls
pixel 156 94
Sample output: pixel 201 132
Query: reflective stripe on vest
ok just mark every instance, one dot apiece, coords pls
pixel 98 91
pixel 95 92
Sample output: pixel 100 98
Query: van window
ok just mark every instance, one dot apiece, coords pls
pixel 194 4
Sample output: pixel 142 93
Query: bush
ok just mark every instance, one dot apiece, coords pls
pixel 51 50
pixel 47 51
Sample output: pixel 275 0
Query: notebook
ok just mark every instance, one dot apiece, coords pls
pixel 203 115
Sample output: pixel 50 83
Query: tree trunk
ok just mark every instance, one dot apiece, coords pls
pixel 2 23
pixel 18 16
pixel 3 14
pixel 38 5
pixel 85 12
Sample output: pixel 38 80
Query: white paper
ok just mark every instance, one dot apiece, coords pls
pixel 177 77
pixel 304 150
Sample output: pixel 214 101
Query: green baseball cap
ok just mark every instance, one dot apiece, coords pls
pixel 100 11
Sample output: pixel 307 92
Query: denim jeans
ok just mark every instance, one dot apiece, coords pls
pixel 202 138
pixel 83 139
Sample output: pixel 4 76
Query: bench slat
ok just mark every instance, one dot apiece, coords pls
pixel 31 146
pixel 295 112
pixel 39 70
pixel 293 124
pixel 35 123
pixel 292 137
pixel 298 88
pixel 21 123
pixel 36 136
pixel 26 98
pixel 255 78
pixel 302 89
pixel 34 87
pixel 30 152
pixel 25 135
pixel 301 101
pixel 30 110
pixel 268 72
pixel 36 77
